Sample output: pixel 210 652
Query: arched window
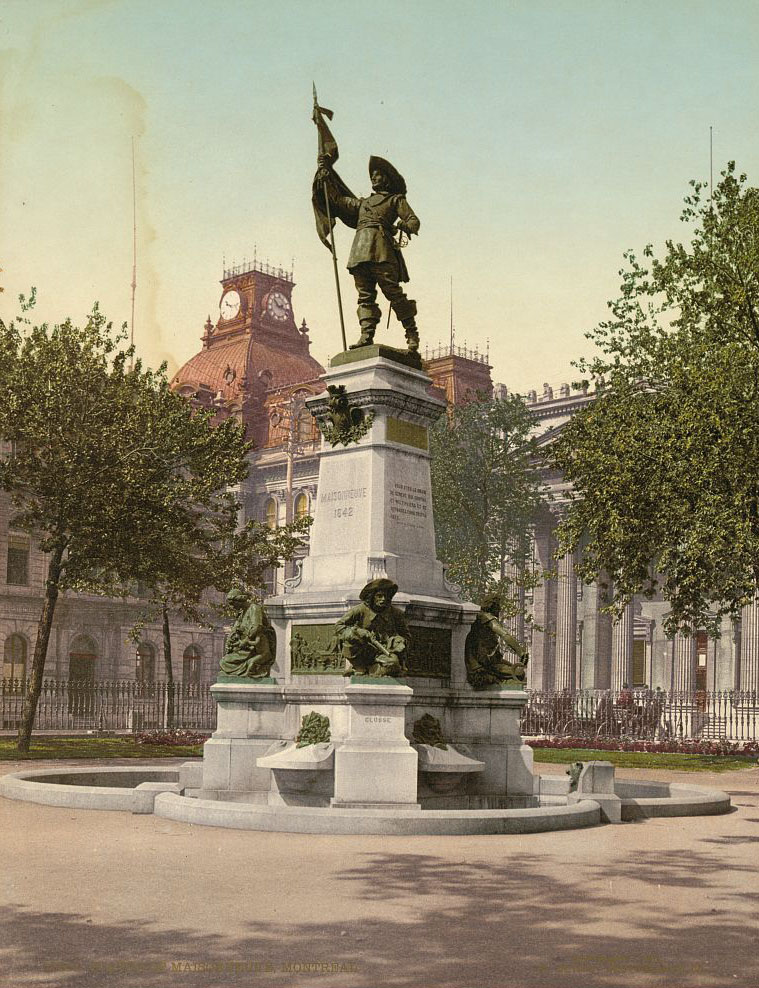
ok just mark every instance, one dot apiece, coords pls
pixel 14 657
pixel 145 670
pixel 191 666
pixel 301 506
pixel 271 513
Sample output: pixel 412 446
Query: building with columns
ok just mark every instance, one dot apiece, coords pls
pixel 579 647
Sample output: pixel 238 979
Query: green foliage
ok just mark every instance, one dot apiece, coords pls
pixel 640 759
pixel 117 477
pixel 106 461
pixel 52 748
pixel 193 578
pixel 427 730
pixel 345 435
pixel 314 729
pixel 486 491
pixel 664 462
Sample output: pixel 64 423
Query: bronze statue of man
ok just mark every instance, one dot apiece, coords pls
pixel 485 662
pixel 373 636
pixel 375 259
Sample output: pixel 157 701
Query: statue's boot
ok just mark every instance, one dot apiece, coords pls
pixel 365 339
pixel 368 317
pixel 405 310
pixel 412 336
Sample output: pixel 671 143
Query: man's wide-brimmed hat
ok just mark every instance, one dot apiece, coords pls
pixel 236 593
pixel 491 602
pixel 390 588
pixel 395 181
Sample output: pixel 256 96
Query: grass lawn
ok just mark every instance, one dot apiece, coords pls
pixel 643 759
pixel 93 747
pixel 126 747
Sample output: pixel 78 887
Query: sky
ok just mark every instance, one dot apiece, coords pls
pixel 538 139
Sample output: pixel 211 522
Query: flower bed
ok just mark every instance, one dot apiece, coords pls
pixel 683 747
pixel 179 738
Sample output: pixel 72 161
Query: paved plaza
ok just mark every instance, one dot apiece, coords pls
pixel 110 899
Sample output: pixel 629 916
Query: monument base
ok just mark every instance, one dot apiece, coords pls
pixel 373 519
pixel 376 765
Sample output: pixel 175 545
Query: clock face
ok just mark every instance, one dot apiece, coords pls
pixel 230 305
pixel 278 306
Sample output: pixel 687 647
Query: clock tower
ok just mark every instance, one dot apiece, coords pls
pixel 252 351
pixel 256 301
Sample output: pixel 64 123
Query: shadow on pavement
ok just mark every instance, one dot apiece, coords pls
pixel 422 921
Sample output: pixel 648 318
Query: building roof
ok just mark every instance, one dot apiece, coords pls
pixel 226 364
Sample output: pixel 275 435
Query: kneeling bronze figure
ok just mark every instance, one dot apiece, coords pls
pixel 373 636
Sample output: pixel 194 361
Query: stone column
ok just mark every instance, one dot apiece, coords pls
pixel 748 677
pixel 596 648
pixel 684 667
pixel 540 669
pixel 566 624
pixel 515 624
pixel 622 649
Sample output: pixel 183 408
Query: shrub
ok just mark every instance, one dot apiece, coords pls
pixel 176 738
pixel 686 746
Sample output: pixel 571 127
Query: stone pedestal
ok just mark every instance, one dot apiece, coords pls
pixel 374 506
pixel 373 518
pixel 376 766
pixel 249 719
pixel 596 782
pixel 485 724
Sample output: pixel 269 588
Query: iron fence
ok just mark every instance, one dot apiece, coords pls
pixel 645 715
pixel 73 705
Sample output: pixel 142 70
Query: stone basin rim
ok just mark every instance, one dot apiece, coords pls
pixel 30 785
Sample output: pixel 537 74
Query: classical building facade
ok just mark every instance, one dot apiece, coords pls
pixel 90 635
pixel 576 646
pixel 255 364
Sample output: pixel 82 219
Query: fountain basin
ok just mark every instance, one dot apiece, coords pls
pixel 164 791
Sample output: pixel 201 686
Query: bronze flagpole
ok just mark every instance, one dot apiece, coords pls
pixel 317 115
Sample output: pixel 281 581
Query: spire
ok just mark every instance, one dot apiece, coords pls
pixel 453 332
pixel 134 253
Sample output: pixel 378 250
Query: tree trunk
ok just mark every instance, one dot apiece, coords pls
pixel 44 625
pixel 169 669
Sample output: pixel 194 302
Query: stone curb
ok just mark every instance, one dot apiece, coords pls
pixel 318 820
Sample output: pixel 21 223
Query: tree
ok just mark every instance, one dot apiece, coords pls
pixel 665 463
pixel 486 490
pixel 108 468
pixel 193 575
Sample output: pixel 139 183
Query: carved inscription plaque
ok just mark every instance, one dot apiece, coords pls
pixel 430 653
pixel 407 433
pixel 408 504
pixel 342 503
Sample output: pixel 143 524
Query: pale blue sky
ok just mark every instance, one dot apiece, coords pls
pixel 538 141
